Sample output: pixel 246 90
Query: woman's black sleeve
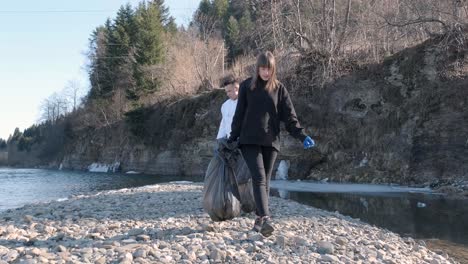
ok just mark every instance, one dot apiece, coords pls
pixel 289 117
pixel 240 112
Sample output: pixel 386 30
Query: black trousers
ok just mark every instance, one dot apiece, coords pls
pixel 260 161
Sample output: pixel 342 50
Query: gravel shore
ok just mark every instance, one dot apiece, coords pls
pixel 165 223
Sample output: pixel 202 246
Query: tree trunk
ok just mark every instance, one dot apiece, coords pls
pixel 343 32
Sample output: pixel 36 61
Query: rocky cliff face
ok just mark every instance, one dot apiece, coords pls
pixel 179 139
pixel 404 121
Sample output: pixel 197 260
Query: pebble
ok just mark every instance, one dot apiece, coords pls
pixel 165 223
pixel 324 247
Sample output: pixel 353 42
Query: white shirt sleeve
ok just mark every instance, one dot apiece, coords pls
pixel 221 131
pixel 228 109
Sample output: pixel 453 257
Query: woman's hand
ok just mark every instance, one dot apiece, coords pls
pixel 308 143
pixel 232 144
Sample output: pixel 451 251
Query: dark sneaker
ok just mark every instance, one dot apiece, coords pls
pixel 258 224
pixel 267 229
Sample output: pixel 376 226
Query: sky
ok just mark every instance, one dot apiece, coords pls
pixel 43 46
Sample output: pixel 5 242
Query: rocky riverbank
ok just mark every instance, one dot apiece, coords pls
pixel 166 224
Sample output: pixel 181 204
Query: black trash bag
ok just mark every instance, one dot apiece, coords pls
pixel 244 185
pixel 246 196
pixel 233 156
pixel 220 193
pixel 242 171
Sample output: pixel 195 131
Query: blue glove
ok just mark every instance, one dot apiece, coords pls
pixel 308 143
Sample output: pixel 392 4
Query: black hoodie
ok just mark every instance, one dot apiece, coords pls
pixel 258 115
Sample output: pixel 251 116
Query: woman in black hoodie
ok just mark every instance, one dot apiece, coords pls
pixel 262 103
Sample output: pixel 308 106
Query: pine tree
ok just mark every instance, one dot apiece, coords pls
pixel 237 8
pixel 232 37
pixel 245 35
pixel 124 50
pixel 205 8
pixel 149 46
pixel 246 21
pixel 100 72
pixel 171 26
pixel 122 35
pixel 111 53
pixel 149 39
pixel 16 135
pixel 220 8
pixel 126 19
pixel 122 41
pixel 163 11
pixel 3 144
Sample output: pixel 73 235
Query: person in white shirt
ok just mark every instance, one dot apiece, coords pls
pixel 231 86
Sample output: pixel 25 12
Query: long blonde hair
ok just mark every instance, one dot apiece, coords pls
pixel 267 60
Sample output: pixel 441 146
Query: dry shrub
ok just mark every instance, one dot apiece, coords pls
pixel 191 65
pixel 287 62
pixel 337 35
pixel 100 113
pixel 313 70
pixel 243 67
pixel 180 75
pixel 209 61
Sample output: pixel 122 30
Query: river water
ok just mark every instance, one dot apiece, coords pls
pixel 413 212
pixel 417 213
pixel 21 186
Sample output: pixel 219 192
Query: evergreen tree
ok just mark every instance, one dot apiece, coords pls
pixel 101 74
pixel 150 35
pixel 16 135
pixel 205 17
pixel 124 49
pixel 219 9
pixel 3 144
pixel 163 11
pixel 233 19
pixel 246 22
pixel 171 26
pixel 122 41
pixel 232 37
pixel 245 42
pixel 204 8
pixel 111 47
pixel 149 47
pixel 122 35
pixel 237 8
pixel 95 66
pixel 25 143
pixel 33 131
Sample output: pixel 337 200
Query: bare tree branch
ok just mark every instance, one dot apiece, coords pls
pixel 343 32
pixel 416 21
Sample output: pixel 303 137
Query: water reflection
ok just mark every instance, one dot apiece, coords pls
pixel 417 215
pixel 22 186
